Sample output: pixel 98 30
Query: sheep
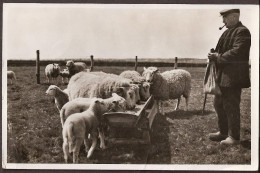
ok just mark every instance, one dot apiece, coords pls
pixel 101 85
pixel 75 67
pixel 52 71
pixel 136 89
pixel 133 75
pixel 65 75
pixel 144 87
pixel 144 91
pixel 169 84
pixel 11 75
pixel 78 126
pixel 60 96
pixel 82 104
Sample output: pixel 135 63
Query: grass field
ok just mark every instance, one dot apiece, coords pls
pixel 34 129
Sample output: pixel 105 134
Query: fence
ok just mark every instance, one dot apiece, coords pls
pixel 98 62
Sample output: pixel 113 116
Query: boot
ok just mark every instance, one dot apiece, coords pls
pixel 217 136
pixel 229 141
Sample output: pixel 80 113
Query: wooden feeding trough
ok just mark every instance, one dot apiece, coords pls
pixel 131 127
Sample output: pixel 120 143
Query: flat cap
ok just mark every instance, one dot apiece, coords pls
pixel 229 11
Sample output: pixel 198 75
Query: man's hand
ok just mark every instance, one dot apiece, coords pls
pixel 213 56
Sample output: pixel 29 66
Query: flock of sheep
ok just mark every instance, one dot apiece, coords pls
pixel 91 94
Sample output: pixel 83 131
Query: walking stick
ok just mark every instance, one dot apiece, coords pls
pixel 205 99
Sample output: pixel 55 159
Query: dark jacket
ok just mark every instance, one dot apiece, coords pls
pixel 232 63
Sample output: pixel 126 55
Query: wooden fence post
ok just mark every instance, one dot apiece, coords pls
pixel 38 67
pixel 176 63
pixel 136 63
pixel 91 62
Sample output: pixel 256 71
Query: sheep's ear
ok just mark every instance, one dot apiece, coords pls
pixel 144 68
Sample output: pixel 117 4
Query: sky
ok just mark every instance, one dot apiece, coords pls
pixel 67 31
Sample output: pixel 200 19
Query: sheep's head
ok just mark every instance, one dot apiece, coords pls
pixel 145 91
pixel 98 106
pixel 69 63
pixel 136 88
pixel 128 94
pixel 149 72
pixel 51 90
pixel 56 66
pixel 118 103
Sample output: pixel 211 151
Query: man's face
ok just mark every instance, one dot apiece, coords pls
pixel 229 20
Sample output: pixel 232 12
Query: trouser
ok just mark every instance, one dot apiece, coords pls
pixel 227 107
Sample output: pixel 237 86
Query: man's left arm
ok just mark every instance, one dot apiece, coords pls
pixel 240 47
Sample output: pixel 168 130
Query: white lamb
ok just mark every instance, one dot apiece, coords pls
pixel 64 75
pixel 52 71
pixel 60 96
pixel 144 87
pixel 11 75
pixel 75 67
pixel 101 85
pixel 169 84
pixel 78 126
pixel 115 103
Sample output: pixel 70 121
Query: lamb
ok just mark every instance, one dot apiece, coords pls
pixel 101 85
pixel 169 84
pixel 52 71
pixel 65 75
pixel 60 96
pixel 116 104
pixel 11 75
pixel 78 126
pixel 144 87
pixel 75 67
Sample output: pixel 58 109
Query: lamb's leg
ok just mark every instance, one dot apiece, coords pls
pixel 102 139
pixel 94 137
pixel 76 150
pixel 86 143
pixel 65 147
pixel 178 103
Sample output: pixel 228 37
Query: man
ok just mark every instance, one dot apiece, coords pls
pixel 231 56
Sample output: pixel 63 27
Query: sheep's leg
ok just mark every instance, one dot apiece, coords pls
pixel 178 103
pixel 162 110
pixel 76 150
pixel 187 103
pixel 94 144
pixel 65 147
